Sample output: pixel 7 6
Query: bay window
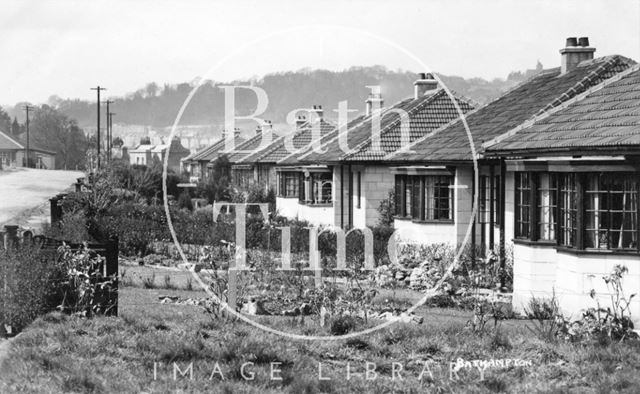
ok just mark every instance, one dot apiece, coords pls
pixel 424 197
pixel 578 210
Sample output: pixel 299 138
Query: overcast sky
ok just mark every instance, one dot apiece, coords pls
pixel 66 47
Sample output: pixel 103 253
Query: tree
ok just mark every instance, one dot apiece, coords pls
pixel 52 130
pixel 16 128
pixel 118 142
pixel 5 121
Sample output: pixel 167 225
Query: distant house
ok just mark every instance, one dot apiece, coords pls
pixel 198 164
pixel 13 154
pixel 258 163
pixel 146 153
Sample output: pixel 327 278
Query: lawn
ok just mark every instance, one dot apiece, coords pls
pixel 139 350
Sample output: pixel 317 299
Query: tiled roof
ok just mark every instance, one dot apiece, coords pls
pixel 295 142
pixel 426 114
pixel 538 94
pixel 606 116
pixel 212 151
pixel 299 156
pixel 252 146
pixel 8 143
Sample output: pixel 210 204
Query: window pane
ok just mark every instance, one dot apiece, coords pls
pixel 568 210
pixel 610 209
pixel 547 194
pixel 523 204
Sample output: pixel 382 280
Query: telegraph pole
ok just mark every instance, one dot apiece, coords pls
pixel 27 108
pixel 98 89
pixel 108 147
pixel 110 132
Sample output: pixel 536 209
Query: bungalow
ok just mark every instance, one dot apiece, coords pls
pixel 251 172
pixel 197 164
pixel 348 165
pixel 13 153
pixel 444 159
pixel 573 181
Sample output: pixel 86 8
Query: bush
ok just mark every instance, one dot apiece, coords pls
pixel 184 201
pixel 85 290
pixel 28 281
pixel 387 210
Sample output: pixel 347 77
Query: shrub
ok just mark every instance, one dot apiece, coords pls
pixel 184 201
pixel 28 282
pixel 613 322
pixel 342 325
pixel 86 291
pixel 387 210
pixel 545 313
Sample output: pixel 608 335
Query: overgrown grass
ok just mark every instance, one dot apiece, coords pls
pixel 61 353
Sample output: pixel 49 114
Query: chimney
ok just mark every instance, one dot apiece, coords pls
pixel 425 84
pixel 319 112
pixel 374 102
pixel 300 121
pixel 575 51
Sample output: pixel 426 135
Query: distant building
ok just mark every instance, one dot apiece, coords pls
pixel 146 153
pixel 13 153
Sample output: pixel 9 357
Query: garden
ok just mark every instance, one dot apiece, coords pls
pixel 171 333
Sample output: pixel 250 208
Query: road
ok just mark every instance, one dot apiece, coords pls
pixel 24 190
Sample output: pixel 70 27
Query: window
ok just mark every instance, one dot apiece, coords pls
pixel 579 210
pixel 243 177
pixel 424 197
pixel 486 202
pixel 321 187
pixel 611 212
pixel 568 209
pixel 523 204
pixel 289 184
pixel 546 202
pixel 438 198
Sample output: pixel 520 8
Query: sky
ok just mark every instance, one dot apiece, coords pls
pixel 65 47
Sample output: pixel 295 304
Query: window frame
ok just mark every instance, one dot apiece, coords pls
pixel 575 206
pixel 283 185
pixel 414 200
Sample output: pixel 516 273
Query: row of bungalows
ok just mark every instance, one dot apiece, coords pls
pixel 199 164
pixel 547 172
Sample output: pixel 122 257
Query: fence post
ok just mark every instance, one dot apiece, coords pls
pixel 10 237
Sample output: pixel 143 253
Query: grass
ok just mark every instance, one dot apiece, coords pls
pixel 58 353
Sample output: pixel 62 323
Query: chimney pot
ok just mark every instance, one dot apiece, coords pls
pixel 583 41
pixel 572 42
